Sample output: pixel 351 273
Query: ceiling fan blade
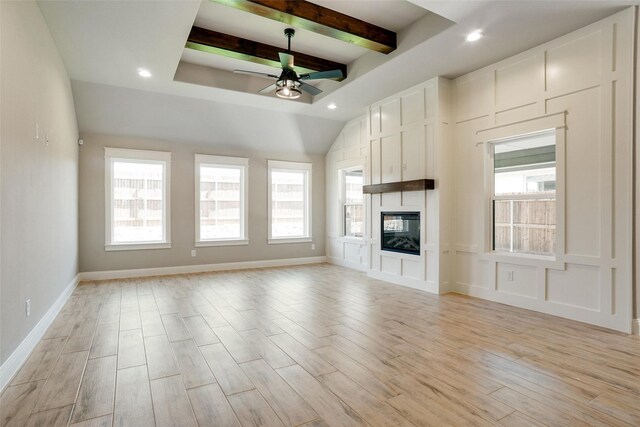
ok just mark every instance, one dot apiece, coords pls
pixel 255 73
pixel 311 90
pixel 286 60
pixel 268 88
pixel 332 74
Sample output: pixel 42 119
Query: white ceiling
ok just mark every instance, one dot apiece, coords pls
pixel 104 42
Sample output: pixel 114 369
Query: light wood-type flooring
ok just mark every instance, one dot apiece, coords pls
pixel 315 346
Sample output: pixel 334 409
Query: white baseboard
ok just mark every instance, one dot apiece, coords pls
pixel 635 327
pixel 201 268
pixel 11 366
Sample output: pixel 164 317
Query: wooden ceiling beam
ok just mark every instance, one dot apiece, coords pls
pixel 260 53
pixel 313 17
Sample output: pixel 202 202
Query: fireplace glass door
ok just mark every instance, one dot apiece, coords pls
pixel 401 232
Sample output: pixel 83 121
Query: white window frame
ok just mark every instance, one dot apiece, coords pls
pixel 503 133
pixel 240 163
pixel 285 166
pixel 137 156
pixel 343 200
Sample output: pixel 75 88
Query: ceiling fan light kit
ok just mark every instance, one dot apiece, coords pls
pixel 288 85
pixel 288 89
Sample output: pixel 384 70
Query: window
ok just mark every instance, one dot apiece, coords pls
pixel 289 202
pixel 524 194
pixel 137 199
pixel 353 202
pixel 221 200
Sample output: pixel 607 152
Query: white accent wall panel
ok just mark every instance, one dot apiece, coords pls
pixel 588 76
pixel 351 148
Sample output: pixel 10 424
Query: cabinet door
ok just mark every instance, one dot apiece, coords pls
pixel 390 159
pixel 413 153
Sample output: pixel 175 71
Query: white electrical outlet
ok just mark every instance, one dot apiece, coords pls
pixel 510 276
pixel 193 252
pixel 313 246
pixel 37 131
pixel 28 307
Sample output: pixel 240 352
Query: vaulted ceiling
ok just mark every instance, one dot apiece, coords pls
pixel 191 47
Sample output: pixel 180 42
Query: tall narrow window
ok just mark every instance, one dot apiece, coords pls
pixel 289 201
pixel 353 204
pixel 137 199
pixel 524 194
pixel 221 200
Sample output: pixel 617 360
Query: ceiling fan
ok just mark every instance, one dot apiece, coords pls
pixel 289 84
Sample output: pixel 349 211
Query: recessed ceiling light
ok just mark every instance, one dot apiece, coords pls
pixel 143 72
pixel 332 106
pixel 474 36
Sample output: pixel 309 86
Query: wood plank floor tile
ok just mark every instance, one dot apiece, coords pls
pixel 61 387
pixel 96 396
pixel 366 378
pixel 133 405
pixel 151 323
pixel 161 361
pixel 131 349
pixel 263 346
pixel 229 375
pixel 105 421
pixel 175 327
pixel 171 403
pixel 194 369
pixel 420 414
pixel 253 411
pixel 373 411
pixel 81 335
pixel 306 358
pixel 517 419
pixel 303 336
pixel 286 403
pixel 211 407
pixel 213 318
pixel 40 362
pixel 17 402
pixel 105 341
pixel 533 408
pixel 130 318
pixel 623 406
pixel 201 332
pixel 315 346
pixel 239 349
pixel 58 417
pixel 326 404
pixel 61 326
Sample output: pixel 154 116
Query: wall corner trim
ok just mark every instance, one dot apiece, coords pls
pixel 198 268
pixel 635 327
pixel 14 362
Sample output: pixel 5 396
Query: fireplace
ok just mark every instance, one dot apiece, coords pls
pixel 400 232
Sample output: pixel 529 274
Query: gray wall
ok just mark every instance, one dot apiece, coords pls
pixel 92 194
pixel 39 191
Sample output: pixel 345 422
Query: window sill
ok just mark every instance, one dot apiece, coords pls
pixel 208 243
pixel 277 241
pixel 136 246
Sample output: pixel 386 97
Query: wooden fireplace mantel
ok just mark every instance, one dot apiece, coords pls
pixel 390 187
